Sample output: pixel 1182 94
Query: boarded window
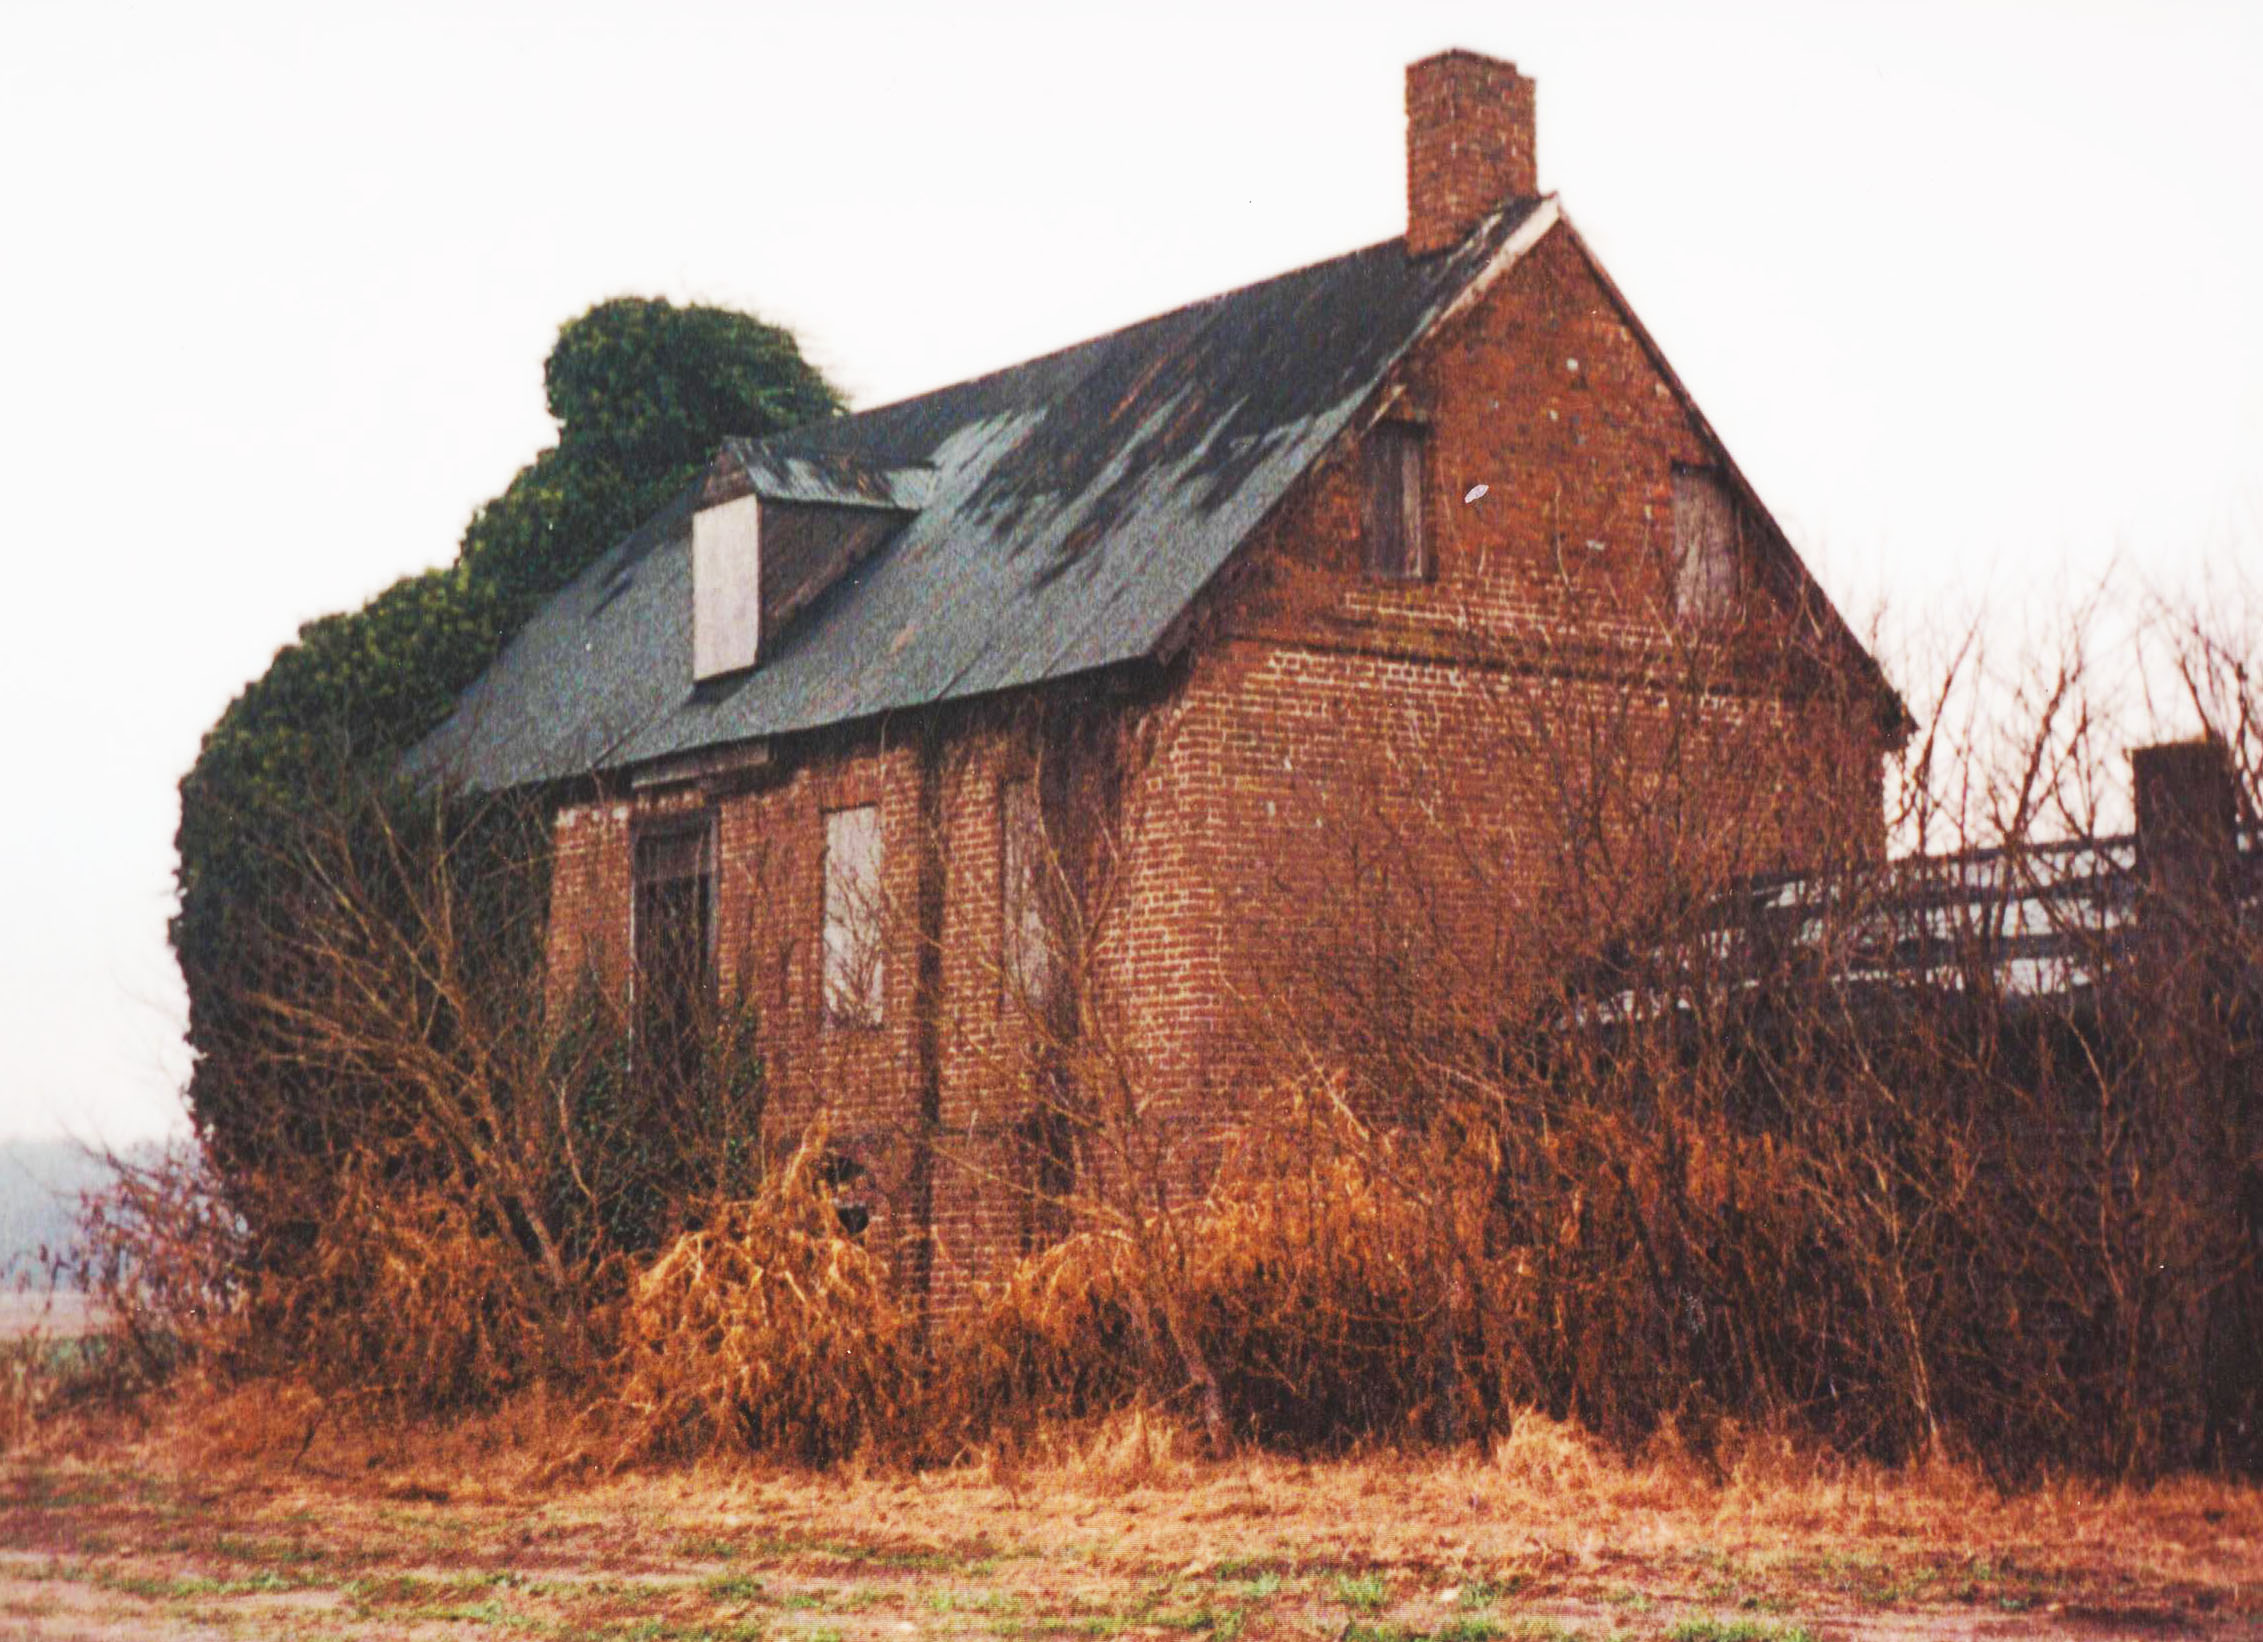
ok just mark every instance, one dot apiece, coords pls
pixel 1705 546
pixel 1396 549
pixel 1025 943
pixel 674 920
pixel 853 924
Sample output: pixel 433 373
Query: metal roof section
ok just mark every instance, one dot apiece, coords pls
pixel 833 479
pixel 1067 511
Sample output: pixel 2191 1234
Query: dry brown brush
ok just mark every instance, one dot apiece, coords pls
pixel 1649 1095
pixel 1303 1275
pixel 1960 1154
pixel 435 1179
pixel 767 1329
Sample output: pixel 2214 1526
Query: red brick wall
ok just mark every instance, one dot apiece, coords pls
pixel 865 1084
pixel 1313 709
pixel 1448 731
pixel 589 899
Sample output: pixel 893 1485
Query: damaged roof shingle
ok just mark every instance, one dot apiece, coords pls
pixel 1068 509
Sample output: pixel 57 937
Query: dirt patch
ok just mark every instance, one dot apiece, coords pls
pixel 1118 1537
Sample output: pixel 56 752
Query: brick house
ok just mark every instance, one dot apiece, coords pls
pixel 853 736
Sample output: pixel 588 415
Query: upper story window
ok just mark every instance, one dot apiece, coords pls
pixel 673 917
pixel 1398 547
pixel 1025 936
pixel 854 928
pixel 1705 546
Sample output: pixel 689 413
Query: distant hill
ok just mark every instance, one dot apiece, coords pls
pixel 41 1182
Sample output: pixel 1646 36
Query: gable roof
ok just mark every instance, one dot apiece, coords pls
pixel 1068 510
pixel 1076 505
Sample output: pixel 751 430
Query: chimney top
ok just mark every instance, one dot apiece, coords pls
pixel 2187 814
pixel 1469 146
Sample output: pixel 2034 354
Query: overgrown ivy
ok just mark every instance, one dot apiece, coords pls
pixel 642 391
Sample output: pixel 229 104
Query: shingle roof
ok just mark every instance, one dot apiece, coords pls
pixel 1076 505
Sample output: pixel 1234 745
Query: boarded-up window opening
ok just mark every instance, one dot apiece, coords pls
pixel 1025 938
pixel 674 921
pixel 1705 546
pixel 854 932
pixel 1396 546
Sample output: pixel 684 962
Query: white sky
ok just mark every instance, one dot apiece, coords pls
pixel 1974 292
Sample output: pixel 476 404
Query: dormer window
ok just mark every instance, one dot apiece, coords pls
pixel 726 587
pixel 773 534
pixel 1398 548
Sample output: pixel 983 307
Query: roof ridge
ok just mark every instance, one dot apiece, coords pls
pixel 1128 328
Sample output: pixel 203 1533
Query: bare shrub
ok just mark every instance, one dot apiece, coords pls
pixel 1721 1145
pixel 765 1329
pixel 434 1169
pixel 159 1256
pixel 1647 1097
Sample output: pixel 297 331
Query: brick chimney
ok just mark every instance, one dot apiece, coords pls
pixel 1469 146
pixel 2187 820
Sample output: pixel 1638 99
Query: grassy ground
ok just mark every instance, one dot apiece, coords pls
pixel 188 1535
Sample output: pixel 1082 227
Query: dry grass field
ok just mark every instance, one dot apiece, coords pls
pixel 215 1528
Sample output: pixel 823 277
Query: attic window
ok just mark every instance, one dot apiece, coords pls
pixel 673 933
pixel 1705 546
pixel 853 927
pixel 1397 548
pixel 726 579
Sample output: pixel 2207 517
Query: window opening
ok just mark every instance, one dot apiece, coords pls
pixel 1396 546
pixel 1026 948
pixel 674 915
pixel 853 925
pixel 1705 546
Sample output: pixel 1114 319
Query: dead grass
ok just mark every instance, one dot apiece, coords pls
pixel 1116 1529
pixel 765 1329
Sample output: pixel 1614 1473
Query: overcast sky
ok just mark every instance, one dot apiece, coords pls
pixel 1974 293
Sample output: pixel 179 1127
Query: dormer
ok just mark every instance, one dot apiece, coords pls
pixel 773 532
